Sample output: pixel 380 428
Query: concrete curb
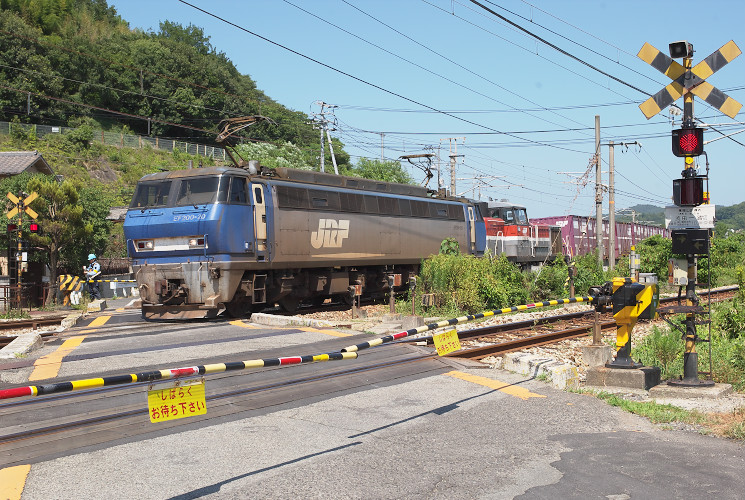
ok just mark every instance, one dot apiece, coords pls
pixel 71 320
pixel 274 320
pixel 97 305
pixel 560 375
pixel 21 345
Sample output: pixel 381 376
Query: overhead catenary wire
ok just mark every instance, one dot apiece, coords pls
pixel 465 68
pixel 361 80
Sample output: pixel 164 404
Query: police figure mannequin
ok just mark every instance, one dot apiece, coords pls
pixel 92 272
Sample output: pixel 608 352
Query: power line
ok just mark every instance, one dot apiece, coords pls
pixel 572 41
pixel 558 49
pixel 550 61
pixel 349 75
pixel 458 64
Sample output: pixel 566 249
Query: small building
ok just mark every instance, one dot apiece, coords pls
pixel 16 162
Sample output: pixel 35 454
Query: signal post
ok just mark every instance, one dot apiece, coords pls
pixel 21 206
pixel 691 219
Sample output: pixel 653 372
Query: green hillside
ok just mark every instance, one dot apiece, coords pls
pixel 73 62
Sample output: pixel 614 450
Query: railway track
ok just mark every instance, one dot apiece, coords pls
pixel 552 329
pixel 33 324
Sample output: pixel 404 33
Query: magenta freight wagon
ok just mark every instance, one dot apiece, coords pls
pixel 578 234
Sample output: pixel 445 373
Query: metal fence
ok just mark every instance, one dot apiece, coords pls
pixel 120 139
pixel 26 296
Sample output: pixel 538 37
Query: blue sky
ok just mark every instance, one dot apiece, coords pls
pixel 408 76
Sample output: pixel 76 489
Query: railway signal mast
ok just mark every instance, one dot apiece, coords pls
pixel 21 205
pixel 692 218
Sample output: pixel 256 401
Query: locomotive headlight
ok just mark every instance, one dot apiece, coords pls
pixel 196 242
pixel 145 244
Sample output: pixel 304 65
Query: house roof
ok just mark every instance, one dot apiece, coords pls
pixel 117 214
pixel 15 162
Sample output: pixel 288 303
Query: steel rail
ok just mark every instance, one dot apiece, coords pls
pixel 544 338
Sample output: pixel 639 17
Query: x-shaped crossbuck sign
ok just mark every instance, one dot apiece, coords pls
pixel 13 212
pixel 692 80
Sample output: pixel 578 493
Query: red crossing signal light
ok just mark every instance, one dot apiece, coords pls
pixel 12 227
pixel 688 142
pixel 33 227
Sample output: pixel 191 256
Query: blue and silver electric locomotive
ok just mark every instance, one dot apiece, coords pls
pixel 212 239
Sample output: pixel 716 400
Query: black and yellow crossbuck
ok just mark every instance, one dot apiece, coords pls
pixel 691 80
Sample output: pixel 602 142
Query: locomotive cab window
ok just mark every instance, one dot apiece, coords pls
pixel 521 216
pixel 151 194
pixel 202 191
pixel 508 216
pixel 238 191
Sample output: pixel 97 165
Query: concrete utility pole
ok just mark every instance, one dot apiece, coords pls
pixel 321 122
pixel 611 210
pixel 612 200
pixel 453 148
pixel 598 193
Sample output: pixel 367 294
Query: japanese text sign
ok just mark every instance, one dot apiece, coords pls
pixel 446 342
pixel 177 400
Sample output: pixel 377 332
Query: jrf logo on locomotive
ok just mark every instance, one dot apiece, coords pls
pixel 331 233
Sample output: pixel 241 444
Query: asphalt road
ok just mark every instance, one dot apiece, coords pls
pixel 452 430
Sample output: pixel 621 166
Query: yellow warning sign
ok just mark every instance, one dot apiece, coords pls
pixel 177 400
pixel 446 342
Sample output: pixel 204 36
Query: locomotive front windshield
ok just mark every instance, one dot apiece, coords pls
pixel 511 215
pixel 151 194
pixel 202 191
pixel 191 191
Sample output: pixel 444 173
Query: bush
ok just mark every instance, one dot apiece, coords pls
pixel 663 348
pixel 589 273
pixel 466 283
pixel 550 282
pixel 654 253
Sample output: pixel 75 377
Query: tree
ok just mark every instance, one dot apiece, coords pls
pixel 388 171
pixel 60 217
pixel 96 207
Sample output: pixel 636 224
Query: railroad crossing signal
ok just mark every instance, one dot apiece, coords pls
pixel 691 80
pixel 22 205
pixel 688 142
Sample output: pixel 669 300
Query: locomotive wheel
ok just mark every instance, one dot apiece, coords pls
pixel 238 309
pixel 288 304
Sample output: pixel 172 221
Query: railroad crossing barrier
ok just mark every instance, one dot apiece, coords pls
pixel 74 286
pixel 346 353
pixel 462 319
pixel 75 385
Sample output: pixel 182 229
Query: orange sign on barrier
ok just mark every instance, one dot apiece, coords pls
pixel 446 342
pixel 177 400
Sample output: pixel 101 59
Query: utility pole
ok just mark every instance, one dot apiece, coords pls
pixel 382 146
pixel 611 211
pixel 321 122
pixel 598 194
pixel 612 200
pixel 453 149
